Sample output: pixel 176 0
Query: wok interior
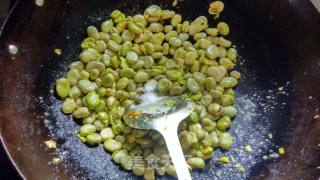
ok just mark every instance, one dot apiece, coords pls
pixel 277 47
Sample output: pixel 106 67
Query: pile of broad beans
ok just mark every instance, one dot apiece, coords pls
pixel 185 58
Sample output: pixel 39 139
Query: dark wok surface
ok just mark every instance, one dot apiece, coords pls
pixel 279 42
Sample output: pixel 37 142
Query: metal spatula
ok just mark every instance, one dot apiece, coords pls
pixel 164 116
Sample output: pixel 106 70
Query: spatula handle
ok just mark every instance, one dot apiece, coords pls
pixel 176 154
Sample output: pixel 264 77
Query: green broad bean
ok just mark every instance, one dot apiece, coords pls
pixel 131 87
pixel 192 85
pixel 157 55
pixel 161 171
pixel 176 19
pixel 94 74
pixel 112 102
pixel 168 28
pixel 87 129
pixel 149 48
pixel 114 62
pixel 227 100
pixel 100 46
pixel 196 96
pixel 215 109
pixel 226 63
pixel 127 72
pixel 218 73
pixel 92 100
pixel 114 46
pixel 108 80
pixel 195 67
pixel 176 90
pixel 212 52
pixel 93 139
pixel 112 145
pixel 230 92
pixel 138 18
pixel 214 139
pixel 138 65
pixel 149 174
pixel 74 92
pixel 119 19
pixel 185 140
pixel 232 54
pixel 198 25
pixel 165 49
pixel 164 85
pixel 120 138
pixel 206 100
pixel 148 62
pixel 208 124
pixel 117 155
pixel 196 163
pixel 223 42
pixel 127 36
pixel 235 74
pixel 212 31
pixel 167 14
pixel 116 37
pixel 114 14
pixel 185 27
pixel 223 28
pixel 175 42
pixel 194 117
pixel 170 35
pixel 88 43
pixel 152 13
pixel 141 77
pixel 93 32
pixel 204 43
pixel 101 107
pixel 139 170
pixel 225 140
pixel 95 65
pixel 224 123
pixel 89 119
pixel 171 170
pixel 183 36
pixel 228 82
pixel 199 36
pixel 134 28
pixel 123 63
pixel 104 36
pixel 78 65
pixel 223 52
pixel 158 39
pixel 122 83
pixel 122 95
pixel 210 83
pixel 199 77
pixel 81 112
pixel 197 130
pixel 106 134
pixel 68 106
pixel 79 102
pixel 155 27
pixel 173 75
pixel 190 57
pixel 102 116
pixel 106 60
pixel 229 111
pixel 63 87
